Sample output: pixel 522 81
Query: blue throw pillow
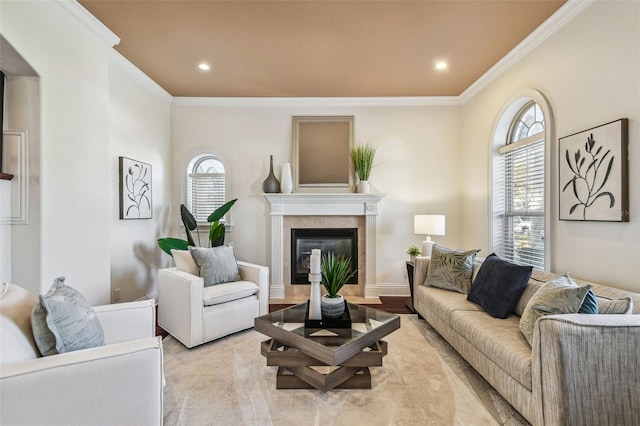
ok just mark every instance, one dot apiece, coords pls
pixel 64 321
pixel 499 285
pixel 590 304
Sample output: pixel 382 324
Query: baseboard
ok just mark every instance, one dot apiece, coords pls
pixel 302 299
pixel 393 289
pixel 383 289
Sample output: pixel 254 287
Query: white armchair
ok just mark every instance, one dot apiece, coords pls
pixel 115 384
pixel 183 314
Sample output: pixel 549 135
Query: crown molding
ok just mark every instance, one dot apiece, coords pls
pixel 556 21
pixel 320 102
pixel 143 79
pixel 109 39
pixel 88 21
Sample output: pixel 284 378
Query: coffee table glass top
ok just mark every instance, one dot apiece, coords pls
pixel 364 321
pixel 352 352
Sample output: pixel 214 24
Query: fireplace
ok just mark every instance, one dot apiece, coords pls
pixel 322 210
pixel 340 241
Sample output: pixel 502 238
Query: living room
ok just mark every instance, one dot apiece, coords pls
pixel 83 106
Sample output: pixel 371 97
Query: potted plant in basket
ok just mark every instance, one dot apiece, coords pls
pixel 362 157
pixel 413 251
pixel 336 271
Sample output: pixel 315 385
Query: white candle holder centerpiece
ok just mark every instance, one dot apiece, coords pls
pixel 315 277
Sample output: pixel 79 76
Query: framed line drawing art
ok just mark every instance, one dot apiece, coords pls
pixel 135 189
pixel 594 174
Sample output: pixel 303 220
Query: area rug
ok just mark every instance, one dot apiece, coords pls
pixel 422 382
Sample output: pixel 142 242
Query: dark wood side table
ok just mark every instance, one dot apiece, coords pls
pixel 410 266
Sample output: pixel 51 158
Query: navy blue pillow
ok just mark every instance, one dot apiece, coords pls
pixel 499 285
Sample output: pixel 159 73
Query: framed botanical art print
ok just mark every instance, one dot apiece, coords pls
pixel 135 189
pixel 594 175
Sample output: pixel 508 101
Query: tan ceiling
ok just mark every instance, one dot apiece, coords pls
pixel 318 48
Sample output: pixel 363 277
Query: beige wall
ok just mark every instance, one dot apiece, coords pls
pixel 590 72
pixel 74 230
pixel 23 113
pixel 431 159
pixel 139 128
pixel 417 165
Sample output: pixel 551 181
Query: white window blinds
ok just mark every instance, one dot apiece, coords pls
pixel 519 204
pixel 206 187
pixel 519 190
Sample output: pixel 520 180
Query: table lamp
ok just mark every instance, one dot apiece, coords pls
pixel 428 224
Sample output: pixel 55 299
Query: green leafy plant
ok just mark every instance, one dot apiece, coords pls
pixel 362 157
pixel 587 182
pixel 336 271
pixel 413 251
pixel 216 230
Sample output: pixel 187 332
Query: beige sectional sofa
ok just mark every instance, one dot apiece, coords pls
pixel 582 369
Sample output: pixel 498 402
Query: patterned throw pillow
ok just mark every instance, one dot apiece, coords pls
pixel 217 264
pixel 559 296
pixel 589 304
pixel 450 269
pixel 64 321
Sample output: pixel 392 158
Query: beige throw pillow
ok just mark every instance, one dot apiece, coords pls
pixel 184 261
pixel 615 306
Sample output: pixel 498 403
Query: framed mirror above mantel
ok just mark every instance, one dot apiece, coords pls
pixel 321 150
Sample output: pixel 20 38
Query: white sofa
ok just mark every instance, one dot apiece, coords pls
pixel 582 370
pixel 183 314
pixel 119 383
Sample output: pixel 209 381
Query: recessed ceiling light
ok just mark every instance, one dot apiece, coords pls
pixel 441 65
pixel 204 66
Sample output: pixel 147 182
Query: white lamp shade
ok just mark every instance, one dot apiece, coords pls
pixel 429 224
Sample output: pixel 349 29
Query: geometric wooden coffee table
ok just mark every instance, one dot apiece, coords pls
pixel 324 360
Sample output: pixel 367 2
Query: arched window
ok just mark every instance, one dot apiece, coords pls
pixel 519 186
pixel 206 186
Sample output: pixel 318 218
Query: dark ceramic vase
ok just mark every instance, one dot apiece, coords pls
pixel 271 184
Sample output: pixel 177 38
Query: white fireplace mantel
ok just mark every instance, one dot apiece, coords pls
pixel 317 204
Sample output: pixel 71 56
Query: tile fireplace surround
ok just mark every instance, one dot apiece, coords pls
pixel 325 208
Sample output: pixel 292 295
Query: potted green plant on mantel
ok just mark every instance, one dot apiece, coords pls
pixel 336 271
pixel 216 230
pixel 413 251
pixel 362 157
